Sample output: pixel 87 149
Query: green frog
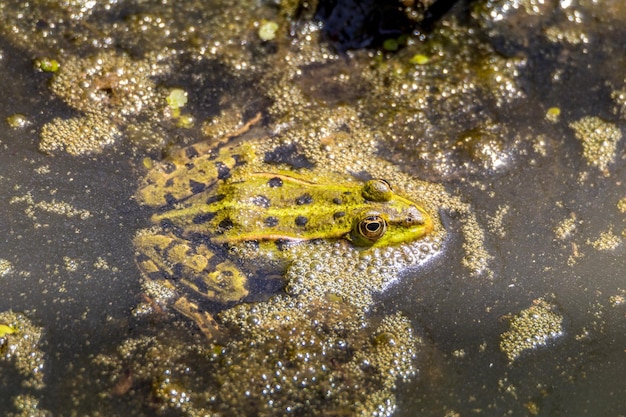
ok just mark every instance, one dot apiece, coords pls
pixel 210 201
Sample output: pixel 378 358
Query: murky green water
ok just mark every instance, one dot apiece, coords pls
pixel 478 116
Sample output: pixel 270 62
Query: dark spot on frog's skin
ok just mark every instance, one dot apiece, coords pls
pixel 142 258
pixel 239 161
pixel 282 244
pixel 301 221
pixel 199 239
pixel 212 154
pixel 261 201
pixel 189 165
pixel 271 221
pixel 339 214
pixel 203 218
pixel 169 167
pixel 337 200
pixel 191 152
pixel 304 199
pixel 275 182
pixel 196 187
pixel 203 288
pixel 169 182
pixel 178 271
pixel 224 226
pixel 156 275
pixel 253 244
pixel 223 171
pixel 168 226
pixel 288 154
pixel 212 265
pixel 170 199
pixel 215 198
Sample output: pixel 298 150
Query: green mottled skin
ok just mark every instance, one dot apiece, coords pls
pixel 205 196
pixel 298 210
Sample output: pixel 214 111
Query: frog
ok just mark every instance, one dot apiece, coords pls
pixel 209 200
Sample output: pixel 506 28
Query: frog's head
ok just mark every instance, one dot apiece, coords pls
pixel 389 218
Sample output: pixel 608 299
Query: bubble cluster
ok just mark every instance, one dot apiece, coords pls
pixel 111 90
pixel 324 349
pixel 403 98
pixel 78 136
pixel 351 274
pixel 607 241
pixel 6 267
pixel 533 327
pixel 20 348
pixel 599 139
pixel 107 82
pixel 286 355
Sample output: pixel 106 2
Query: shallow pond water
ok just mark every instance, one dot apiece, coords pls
pixel 519 112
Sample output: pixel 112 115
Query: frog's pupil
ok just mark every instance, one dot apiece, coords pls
pixel 271 221
pixel 275 182
pixel 372 227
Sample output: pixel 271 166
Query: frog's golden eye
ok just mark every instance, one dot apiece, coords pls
pixel 377 190
pixel 372 227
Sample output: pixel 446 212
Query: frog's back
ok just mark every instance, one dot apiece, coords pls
pixel 273 205
pixel 228 195
pixel 190 171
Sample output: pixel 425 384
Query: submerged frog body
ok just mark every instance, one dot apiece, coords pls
pixel 209 200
